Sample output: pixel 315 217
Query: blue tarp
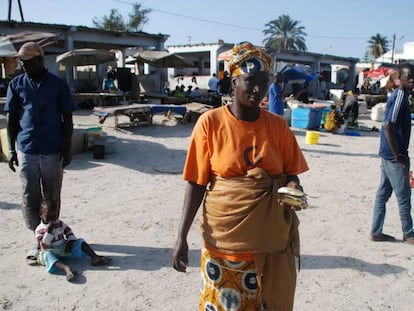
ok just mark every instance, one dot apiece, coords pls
pixel 298 73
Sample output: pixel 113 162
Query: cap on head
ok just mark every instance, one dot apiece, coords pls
pixel 29 50
pixel 247 58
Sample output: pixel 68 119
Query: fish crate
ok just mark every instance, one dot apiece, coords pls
pixel 306 118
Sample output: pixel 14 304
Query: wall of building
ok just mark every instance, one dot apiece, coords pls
pixel 73 37
pixel 406 54
pixel 204 56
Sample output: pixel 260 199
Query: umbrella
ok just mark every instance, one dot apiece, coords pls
pixel 382 72
pixel 84 57
pixel 387 77
pixel 10 44
pixel 297 72
pixel 161 59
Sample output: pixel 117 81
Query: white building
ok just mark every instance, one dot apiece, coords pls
pixel 206 60
pixel 406 54
pixel 203 56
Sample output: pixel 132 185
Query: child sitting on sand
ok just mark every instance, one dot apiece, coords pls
pixel 57 241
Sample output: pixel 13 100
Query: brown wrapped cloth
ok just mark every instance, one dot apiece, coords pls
pixel 242 215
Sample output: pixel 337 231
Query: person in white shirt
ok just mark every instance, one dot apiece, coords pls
pixel 57 241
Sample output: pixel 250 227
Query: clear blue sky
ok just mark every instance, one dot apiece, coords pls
pixel 333 27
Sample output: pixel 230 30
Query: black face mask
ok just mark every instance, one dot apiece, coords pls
pixel 34 67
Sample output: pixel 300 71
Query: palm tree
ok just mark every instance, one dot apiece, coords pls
pixel 285 33
pixel 378 45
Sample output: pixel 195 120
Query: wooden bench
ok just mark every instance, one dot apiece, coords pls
pixel 138 114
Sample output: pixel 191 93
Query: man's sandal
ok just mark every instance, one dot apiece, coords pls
pixel 32 256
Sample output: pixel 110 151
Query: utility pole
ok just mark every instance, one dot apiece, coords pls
pixel 393 46
pixel 393 49
pixel 20 9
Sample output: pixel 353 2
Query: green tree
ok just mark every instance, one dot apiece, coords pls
pixel 115 21
pixel 285 33
pixel 138 17
pixel 112 22
pixel 378 45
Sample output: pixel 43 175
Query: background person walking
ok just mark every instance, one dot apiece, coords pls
pixel 395 163
pixel 276 102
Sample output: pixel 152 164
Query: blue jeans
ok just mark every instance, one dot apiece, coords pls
pixel 41 177
pixel 50 256
pixel 394 177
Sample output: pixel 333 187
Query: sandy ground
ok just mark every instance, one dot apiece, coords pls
pixel 128 206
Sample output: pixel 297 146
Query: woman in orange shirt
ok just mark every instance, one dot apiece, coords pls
pixel 239 155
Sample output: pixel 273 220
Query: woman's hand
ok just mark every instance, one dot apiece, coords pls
pixel 294 185
pixel 180 256
pixel 292 197
pixel 291 206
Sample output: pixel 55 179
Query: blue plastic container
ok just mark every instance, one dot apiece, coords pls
pixel 352 133
pixel 306 118
pixel 325 112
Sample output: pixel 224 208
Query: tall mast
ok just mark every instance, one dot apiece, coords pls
pixel 20 9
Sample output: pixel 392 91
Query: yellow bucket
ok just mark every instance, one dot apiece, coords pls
pixel 312 137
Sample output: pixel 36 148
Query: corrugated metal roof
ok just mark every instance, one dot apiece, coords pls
pixel 15 24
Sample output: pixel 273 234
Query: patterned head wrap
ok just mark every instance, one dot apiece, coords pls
pixel 247 58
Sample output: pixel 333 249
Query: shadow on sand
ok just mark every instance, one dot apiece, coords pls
pixel 340 262
pixel 8 205
pixel 128 257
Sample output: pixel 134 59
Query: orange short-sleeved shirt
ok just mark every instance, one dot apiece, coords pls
pixel 225 146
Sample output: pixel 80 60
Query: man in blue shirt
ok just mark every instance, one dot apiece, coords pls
pixel 213 83
pixel 276 103
pixel 39 109
pixel 395 163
